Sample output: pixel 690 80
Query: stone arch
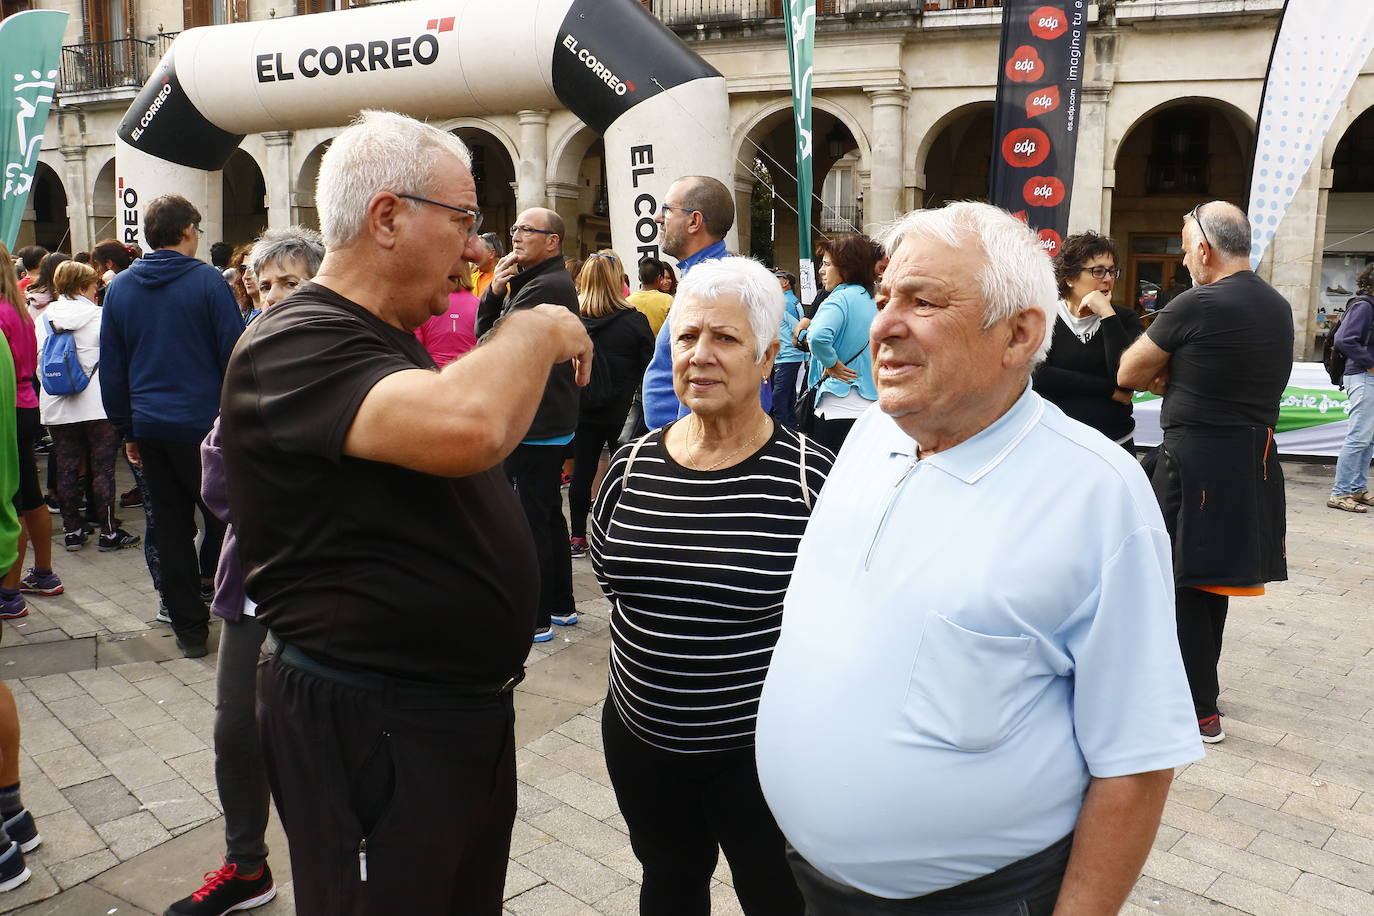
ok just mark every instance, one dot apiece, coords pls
pixel 940 124
pixel 244 199
pixel 771 113
pixel 493 171
pixel 45 221
pixel 305 213
pixel 103 209
pixel 1242 123
pixel 454 125
pixel 955 154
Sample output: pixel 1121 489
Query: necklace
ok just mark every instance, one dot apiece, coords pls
pixel 691 451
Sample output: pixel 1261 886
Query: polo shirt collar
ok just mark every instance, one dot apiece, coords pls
pixel 710 252
pixel 974 458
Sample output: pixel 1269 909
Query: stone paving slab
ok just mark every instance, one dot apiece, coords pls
pixel 117 762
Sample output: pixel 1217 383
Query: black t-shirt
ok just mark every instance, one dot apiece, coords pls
pixel 1232 353
pixel 365 564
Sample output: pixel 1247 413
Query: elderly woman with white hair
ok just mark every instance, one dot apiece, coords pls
pixel 694 538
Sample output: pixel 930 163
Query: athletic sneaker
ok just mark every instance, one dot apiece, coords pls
pixel 163 615
pixel 13 608
pixel 564 620
pixel 117 540
pixel 74 540
pixel 578 546
pixel 23 830
pixel 131 500
pixel 1210 729
pixel 207 592
pixel 543 634
pixel 13 871
pixel 227 891
pixel 51 503
pixel 47 584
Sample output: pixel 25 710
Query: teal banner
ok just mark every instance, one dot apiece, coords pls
pixel 31 48
pixel 801 41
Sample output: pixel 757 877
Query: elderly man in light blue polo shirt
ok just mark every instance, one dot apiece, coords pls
pixel 977 699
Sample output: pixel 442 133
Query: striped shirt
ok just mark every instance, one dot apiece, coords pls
pixel 696 565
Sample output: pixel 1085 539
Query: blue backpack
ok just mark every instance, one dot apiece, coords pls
pixel 61 372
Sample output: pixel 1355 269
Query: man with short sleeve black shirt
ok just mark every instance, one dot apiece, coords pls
pixel 1220 354
pixel 380 542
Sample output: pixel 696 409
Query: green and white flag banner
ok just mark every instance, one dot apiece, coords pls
pixel 801 40
pixel 31 48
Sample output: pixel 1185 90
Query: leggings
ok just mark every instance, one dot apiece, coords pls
pixel 1201 618
pixel 91 443
pixel 682 810
pixel 591 437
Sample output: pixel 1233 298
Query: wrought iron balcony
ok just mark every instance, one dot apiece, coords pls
pixel 110 66
pixel 701 12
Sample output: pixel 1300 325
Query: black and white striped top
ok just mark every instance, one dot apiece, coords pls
pixel 696 564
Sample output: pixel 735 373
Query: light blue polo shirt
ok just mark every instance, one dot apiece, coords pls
pixel 966 640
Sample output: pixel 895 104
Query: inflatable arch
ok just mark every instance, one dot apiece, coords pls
pixel 662 110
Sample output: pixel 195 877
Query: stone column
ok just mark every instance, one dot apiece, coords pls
pixel 1293 261
pixel 79 215
pixel 531 171
pixel 744 212
pixel 565 199
pixel 1086 207
pixel 278 178
pixel 884 198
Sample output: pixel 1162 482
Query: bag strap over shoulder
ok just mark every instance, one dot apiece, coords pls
pixel 801 448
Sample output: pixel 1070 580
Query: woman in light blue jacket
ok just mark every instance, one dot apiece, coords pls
pixel 838 338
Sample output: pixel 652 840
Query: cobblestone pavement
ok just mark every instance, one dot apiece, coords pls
pixel 117 766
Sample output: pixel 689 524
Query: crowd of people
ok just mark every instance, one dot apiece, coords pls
pixel 899 623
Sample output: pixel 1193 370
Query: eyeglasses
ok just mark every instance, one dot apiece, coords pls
pixel 663 211
pixel 199 231
pixel 1101 273
pixel 516 230
pixel 1197 221
pixel 475 214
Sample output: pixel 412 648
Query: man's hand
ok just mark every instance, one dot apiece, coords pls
pixel 1099 303
pixel 841 372
pixel 801 326
pixel 1121 396
pixel 567 331
pixel 131 452
pixel 1143 365
pixel 505 269
pixel 1159 384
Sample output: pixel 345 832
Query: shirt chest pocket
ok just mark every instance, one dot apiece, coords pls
pixel 968 689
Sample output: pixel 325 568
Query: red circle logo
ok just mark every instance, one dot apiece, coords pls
pixel 1042 101
pixel 1050 241
pixel 1025 147
pixel 1044 191
pixel 1048 23
pixel 1025 65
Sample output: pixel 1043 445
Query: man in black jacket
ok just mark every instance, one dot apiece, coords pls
pixel 534 274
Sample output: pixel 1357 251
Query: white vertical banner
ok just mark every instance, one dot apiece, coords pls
pixel 1319 50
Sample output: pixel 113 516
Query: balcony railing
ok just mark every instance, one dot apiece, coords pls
pixel 844 218
pixel 699 12
pixel 103 66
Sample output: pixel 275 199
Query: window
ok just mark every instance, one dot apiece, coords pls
pixel 322 6
pixel 1353 164
pixel 1178 153
pixel 212 12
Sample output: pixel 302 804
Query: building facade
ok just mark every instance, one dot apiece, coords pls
pixel 903 108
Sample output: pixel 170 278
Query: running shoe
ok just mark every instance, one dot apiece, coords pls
pixel 74 540
pixel 227 891
pixel 564 620
pixel 36 583
pixel 543 634
pixel 1210 729
pixel 163 615
pixel 52 505
pixel 117 540
pixel 23 830
pixel 12 608
pixel 13 871
pixel 578 546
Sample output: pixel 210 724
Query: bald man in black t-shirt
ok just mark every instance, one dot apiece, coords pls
pixel 1220 354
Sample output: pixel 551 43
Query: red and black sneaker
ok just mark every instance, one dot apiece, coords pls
pixel 1210 729
pixel 226 891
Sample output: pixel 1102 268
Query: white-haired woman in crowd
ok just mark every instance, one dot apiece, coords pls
pixel 281 260
pixel 694 537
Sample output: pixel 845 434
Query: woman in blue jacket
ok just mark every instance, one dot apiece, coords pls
pixel 838 338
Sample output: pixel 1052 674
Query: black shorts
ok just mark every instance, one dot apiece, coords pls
pixel 27 427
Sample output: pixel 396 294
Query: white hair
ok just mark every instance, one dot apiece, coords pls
pixel 379 151
pixel 1017 275
pixel 746 280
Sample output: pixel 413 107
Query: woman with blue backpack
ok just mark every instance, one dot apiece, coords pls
pixel 68 333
